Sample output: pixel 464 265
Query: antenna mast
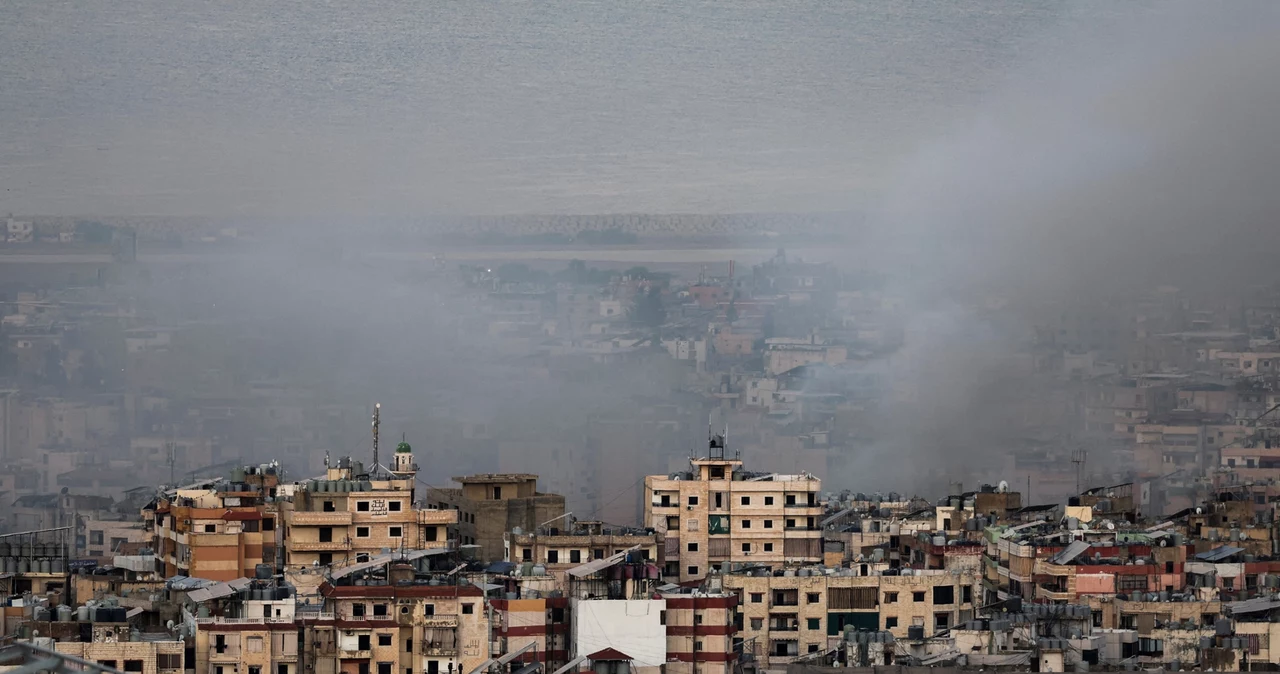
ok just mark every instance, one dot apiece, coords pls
pixel 377 410
pixel 1078 457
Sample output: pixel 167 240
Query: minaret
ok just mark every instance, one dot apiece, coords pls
pixel 402 463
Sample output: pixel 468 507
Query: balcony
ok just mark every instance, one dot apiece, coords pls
pixel 303 518
pixel 355 655
pixel 225 655
pixel 318 546
pixel 437 517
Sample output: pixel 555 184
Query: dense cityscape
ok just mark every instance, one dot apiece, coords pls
pixel 730 501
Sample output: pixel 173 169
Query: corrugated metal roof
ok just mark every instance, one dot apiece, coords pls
pixel 597 565
pixel 1069 553
pixel 1253 605
pixel 383 559
pixel 1219 553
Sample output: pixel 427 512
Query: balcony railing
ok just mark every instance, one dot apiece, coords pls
pixel 304 518
pixel 437 516
pixel 319 546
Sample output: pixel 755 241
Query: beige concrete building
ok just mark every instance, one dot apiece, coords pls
pixel 144 657
pixel 579 543
pixel 791 615
pixel 719 514
pixel 353 514
pixel 490 505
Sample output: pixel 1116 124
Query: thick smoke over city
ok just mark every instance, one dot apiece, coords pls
pixel 1086 183
pixel 1089 157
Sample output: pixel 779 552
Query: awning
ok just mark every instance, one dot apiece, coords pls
pixel 597 565
pixel 1218 554
pixel 379 560
pixel 1069 553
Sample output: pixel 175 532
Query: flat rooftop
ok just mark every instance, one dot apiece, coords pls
pixel 491 478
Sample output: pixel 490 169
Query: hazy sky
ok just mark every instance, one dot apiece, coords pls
pixel 491 106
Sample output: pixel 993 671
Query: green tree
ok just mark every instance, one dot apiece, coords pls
pixel 648 308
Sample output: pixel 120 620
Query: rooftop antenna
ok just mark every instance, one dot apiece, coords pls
pixel 1078 457
pixel 377 410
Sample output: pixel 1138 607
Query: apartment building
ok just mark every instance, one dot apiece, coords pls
pixel 142 657
pixel 580 542
pixel 220 530
pixel 785 615
pixel 398 623
pixel 256 632
pixel 718 513
pixel 619 619
pixel 355 513
pixel 491 504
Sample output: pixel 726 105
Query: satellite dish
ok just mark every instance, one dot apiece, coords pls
pixel 1111 526
pixel 1003 486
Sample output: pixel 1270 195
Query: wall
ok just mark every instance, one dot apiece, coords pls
pixel 633 627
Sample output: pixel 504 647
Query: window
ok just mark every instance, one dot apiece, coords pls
pixel 255 669
pixel 757 597
pixel 917 596
pixel 431 533
pixel 941 621
pixel 890 597
pixel 408 645
pixel 768 547
pixel 362 532
pixel 363 642
pixel 379 610
pixel 791 523
pixel 757 623
pixel 95 538
pixel 768 500
pixel 357 610
pixel 362 667
pixel 692 570
pixel 966 592
pixel 746 547
pixel 890 623
pixel 108 663
pixel 282 668
pixel 393 506
pixel 812 597
pixel 384 639
pixel 210 528
pixel 813 648
pixel 575 556
pixel 133 665
pixel 328 507
pixel 944 594
pixel 692 525
pixel 326 558
pixel 526 555
pixel 673 523
pixel 693 500
pixel 362 506
pixel 384 668
pixel 553 556
pixel 697 646
pixel 249 526
pixel 269 524
pixel 253 644
pixel 768 524
pixel 746 500
pixel 746 524
pixel 395 532
pixel 468 609
pixel 168 660
pixel 813 624
pixel 497 493
pixel 429 609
